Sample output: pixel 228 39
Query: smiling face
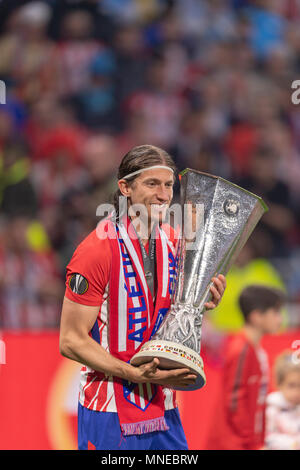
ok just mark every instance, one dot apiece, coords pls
pixel 151 192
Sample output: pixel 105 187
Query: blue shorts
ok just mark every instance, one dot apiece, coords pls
pixel 101 431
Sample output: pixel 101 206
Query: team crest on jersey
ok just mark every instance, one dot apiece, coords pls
pixel 78 284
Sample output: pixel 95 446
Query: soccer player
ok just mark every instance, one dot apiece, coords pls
pixel 118 285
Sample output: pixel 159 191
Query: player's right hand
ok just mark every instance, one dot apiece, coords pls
pixel 150 372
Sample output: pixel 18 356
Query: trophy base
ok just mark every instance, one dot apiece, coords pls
pixel 172 356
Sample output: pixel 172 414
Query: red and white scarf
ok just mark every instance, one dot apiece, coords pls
pixel 133 320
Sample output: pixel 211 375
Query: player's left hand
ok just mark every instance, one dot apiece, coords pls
pixel 217 291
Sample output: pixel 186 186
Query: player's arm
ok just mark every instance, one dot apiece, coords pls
pixel 75 343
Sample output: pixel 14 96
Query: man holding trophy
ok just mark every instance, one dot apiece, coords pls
pixel 136 291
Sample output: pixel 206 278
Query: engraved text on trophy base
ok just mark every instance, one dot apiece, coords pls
pixel 182 325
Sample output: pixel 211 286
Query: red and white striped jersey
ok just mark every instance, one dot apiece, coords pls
pixel 87 283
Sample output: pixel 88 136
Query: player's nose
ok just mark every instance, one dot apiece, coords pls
pixel 163 193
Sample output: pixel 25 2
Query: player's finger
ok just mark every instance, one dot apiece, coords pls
pixel 186 382
pixel 218 285
pixel 151 367
pixel 210 305
pixel 183 372
pixel 222 279
pixel 188 377
pixel 216 294
pixel 176 374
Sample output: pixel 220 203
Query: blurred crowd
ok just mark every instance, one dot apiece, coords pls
pixel 210 81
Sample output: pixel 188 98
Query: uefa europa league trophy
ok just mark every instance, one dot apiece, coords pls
pixel 217 219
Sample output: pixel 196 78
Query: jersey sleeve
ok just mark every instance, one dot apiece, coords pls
pixel 87 274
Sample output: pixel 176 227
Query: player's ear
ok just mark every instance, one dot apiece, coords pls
pixel 124 188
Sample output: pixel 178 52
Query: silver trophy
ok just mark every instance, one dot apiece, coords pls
pixel 217 219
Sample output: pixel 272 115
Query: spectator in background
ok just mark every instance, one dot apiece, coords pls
pixel 96 103
pixel 103 24
pixel 131 60
pixel 205 21
pixel 55 141
pixel 239 144
pixel 263 180
pixel 17 193
pixel 135 131
pixel 7 127
pixel 158 105
pixel 213 107
pixel 278 137
pixel 50 127
pixel 75 215
pixel 30 286
pixel 283 405
pixel 279 66
pixel 240 408
pixel 26 51
pixel 268 26
pixel 132 11
pixel 100 159
pixel 75 50
pixel 199 155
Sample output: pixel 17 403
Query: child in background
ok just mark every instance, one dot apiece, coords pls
pixel 240 408
pixel 283 405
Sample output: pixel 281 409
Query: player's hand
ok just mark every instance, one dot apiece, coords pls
pixel 150 372
pixel 217 291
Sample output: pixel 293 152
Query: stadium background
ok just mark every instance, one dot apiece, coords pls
pixel 209 81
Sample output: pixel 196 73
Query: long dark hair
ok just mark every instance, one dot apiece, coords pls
pixel 138 158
